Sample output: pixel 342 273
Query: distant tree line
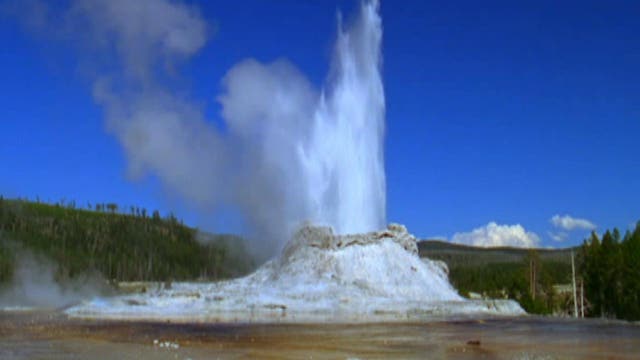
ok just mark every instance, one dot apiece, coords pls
pixel 122 247
pixel 610 267
pixel 528 276
pixel 529 281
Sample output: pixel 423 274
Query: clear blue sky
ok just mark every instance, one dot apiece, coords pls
pixel 506 112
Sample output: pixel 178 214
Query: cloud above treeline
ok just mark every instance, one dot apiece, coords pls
pixel 495 235
pixel 567 222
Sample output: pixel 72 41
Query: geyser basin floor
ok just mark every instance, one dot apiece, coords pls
pixel 54 336
pixel 320 277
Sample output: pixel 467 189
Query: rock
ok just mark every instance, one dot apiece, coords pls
pixel 442 266
pixel 322 237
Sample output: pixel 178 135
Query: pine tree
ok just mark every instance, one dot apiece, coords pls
pixel 592 273
pixel 630 273
pixel 611 259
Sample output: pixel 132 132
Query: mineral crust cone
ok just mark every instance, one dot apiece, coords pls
pixel 319 277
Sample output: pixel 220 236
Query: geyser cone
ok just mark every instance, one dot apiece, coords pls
pixel 319 277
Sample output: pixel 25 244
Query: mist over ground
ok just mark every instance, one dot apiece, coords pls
pixel 34 283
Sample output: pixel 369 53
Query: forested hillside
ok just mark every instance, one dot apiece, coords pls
pixel 122 247
pixel 458 254
pixel 506 272
pixel 607 267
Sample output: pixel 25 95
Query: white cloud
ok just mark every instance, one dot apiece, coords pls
pixel 492 235
pixel 559 236
pixel 567 222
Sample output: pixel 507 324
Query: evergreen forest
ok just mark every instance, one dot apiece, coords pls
pixel 121 244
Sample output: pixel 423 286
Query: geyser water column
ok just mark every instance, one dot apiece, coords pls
pixel 286 152
pixel 310 155
pixel 343 161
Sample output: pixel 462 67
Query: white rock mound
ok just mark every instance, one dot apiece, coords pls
pixel 319 277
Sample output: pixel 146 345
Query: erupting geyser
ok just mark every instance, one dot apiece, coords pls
pixel 321 158
pixel 343 159
pixel 320 153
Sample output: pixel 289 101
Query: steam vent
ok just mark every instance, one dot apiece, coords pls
pixel 320 277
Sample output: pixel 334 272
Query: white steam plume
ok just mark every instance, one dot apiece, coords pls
pixel 290 152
